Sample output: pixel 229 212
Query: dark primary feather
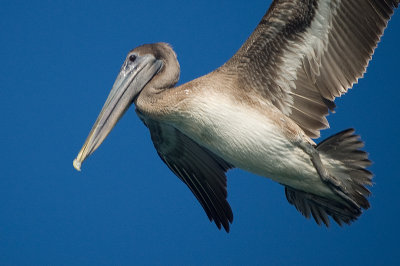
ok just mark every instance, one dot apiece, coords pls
pixel 201 170
pixel 301 70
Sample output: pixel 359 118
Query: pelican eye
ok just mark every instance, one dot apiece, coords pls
pixel 132 58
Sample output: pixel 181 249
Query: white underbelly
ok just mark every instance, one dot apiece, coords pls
pixel 249 140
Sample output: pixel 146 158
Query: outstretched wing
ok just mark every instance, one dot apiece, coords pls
pixel 304 53
pixel 201 170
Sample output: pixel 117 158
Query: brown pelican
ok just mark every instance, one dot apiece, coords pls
pixel 261 109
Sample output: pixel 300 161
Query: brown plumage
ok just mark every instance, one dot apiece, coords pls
pixel 260 109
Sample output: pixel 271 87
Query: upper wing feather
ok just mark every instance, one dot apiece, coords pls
pixel 304 53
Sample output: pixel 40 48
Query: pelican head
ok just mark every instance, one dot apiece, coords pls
pixel 150 68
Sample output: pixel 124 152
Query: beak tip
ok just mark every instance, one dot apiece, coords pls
pixel 77 165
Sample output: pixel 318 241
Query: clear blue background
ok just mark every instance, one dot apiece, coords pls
pixel 58 63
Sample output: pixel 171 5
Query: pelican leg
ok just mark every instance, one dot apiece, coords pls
pixel 333 182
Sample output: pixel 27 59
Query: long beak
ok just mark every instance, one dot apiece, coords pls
pixel 130 81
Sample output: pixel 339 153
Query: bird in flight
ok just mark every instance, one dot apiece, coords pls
pixel 261 110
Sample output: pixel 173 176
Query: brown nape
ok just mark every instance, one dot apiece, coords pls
pixel 168 76
pixel 156 98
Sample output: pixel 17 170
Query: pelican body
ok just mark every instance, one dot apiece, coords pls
pixel 261 109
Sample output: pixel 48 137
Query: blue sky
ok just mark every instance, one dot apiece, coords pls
pixel 59 60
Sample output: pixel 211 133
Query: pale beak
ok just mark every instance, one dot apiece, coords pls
pixel 133 77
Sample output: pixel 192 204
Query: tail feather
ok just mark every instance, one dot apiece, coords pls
pixel 343 147
pixel 320 208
